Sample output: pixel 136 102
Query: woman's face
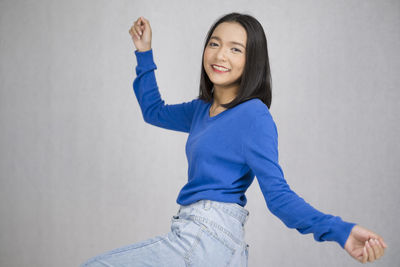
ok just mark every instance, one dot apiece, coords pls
pixel 226 48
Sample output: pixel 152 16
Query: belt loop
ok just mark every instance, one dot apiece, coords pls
pixel 207 204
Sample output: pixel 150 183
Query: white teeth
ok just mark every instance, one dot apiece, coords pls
pixel 219 68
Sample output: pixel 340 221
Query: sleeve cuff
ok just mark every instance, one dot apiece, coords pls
pixel 145 57
pixel 341 231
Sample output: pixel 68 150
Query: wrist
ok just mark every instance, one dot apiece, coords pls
pixel 144 49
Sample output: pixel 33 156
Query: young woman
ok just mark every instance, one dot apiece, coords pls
pixel 232 139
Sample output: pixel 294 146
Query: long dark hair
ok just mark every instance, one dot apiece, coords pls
pixel 256 81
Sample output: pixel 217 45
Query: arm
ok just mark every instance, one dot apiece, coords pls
pixel 176 117
pixel 260 149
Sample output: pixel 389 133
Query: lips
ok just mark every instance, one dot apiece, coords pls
pixel 223 70
pixel 219 66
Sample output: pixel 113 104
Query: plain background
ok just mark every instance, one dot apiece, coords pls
pixel 82 173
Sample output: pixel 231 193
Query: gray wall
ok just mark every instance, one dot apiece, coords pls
pixel 82 173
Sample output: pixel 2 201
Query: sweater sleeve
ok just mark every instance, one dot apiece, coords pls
pixel 177 117
pixel 260 149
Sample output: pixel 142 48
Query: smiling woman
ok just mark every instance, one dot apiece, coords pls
pixel 236 42
pixel 232 139
pixel 224 60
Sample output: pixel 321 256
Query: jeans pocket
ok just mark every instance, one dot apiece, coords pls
pixel 207 249
pixel 178 224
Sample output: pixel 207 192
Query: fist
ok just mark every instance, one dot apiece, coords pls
pixel 141 34
pixel 365 245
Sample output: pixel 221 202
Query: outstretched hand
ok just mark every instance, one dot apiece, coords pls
pixel 364 245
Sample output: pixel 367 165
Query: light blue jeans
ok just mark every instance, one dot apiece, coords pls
pixel 204 233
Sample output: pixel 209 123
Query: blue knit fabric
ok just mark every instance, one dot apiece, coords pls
pixel 225 152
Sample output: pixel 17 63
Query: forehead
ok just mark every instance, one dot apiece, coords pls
pixel 230 32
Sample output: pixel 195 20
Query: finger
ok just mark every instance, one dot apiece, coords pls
pixel 136 24
pixel 381 249
pixel 365 255
pixel 380 239
pixel 376 248
pixel 138 29
pixel 371 252
pixel 139 26
pixel 383 246
pixel 134 33
pixel 137 35
pixel 139 22
pixel 142 23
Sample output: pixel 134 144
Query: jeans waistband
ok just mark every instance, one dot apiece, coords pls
pixel 232 209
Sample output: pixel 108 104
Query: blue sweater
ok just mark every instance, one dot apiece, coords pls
pixel 225 152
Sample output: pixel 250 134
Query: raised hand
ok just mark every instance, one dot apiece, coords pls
pixel 364 245
pixel 141 34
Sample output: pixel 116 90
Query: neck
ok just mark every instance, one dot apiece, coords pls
pixel 224 95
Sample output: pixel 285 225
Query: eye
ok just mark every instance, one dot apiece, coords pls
pixel 211 44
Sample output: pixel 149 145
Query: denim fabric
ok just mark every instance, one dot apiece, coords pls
pixel 204 233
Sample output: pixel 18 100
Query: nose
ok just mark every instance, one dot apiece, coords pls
pixel 221 55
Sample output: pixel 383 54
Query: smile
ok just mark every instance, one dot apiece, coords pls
pixel 219 69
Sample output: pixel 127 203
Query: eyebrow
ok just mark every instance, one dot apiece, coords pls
pixel 232 42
